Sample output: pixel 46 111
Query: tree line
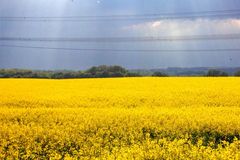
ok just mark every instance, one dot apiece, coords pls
pixel 102 71
pixel 219 73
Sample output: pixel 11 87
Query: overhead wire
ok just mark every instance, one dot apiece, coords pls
pixel 152 16
pixel 128 15
pixel 125 50
pixel 125 39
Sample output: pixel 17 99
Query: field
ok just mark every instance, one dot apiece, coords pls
pixel 128 118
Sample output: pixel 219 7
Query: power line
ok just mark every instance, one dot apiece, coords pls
pixel 125 39
pixel 233 11
pixel 122 19
pixel 124 50
pixel 183 15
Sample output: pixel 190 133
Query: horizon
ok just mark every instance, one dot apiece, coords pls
pixel 130 69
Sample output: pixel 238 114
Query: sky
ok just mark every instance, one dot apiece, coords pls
pixel 50 59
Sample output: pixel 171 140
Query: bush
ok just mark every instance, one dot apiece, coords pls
pixel 104 71
pixel 216 73
pixel 159 74
pixel 237 74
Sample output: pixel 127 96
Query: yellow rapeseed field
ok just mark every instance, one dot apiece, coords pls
pixel 128 118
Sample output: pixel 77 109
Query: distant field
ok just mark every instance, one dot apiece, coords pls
pixel 128 118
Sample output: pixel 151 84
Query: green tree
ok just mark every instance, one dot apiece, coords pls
pixel 237 74
pixel 216 73
pixel 159 74
pixel 104 71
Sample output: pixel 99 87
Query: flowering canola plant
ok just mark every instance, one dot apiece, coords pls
pixel 122 118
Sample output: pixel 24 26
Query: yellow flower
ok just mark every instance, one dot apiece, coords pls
pixel 128 118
